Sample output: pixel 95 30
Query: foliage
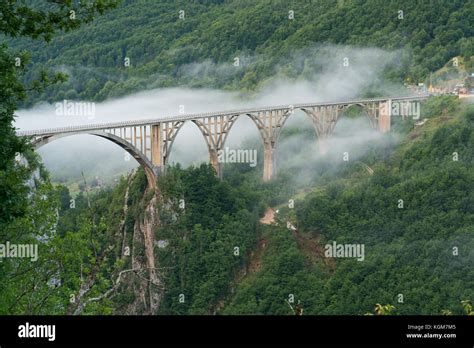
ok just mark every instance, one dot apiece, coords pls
pixel 210 238
pixel 199 50
pixel 211 226
pixel 421 251
pixel 28 202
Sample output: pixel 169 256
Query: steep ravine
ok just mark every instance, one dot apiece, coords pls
pixel 143 283
pixel 147 227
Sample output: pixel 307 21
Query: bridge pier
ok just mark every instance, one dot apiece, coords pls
pixel 214 160
pixel 268 162
pixel 156 146
pixel 269 124
pixel 215 131
pixel 322 144
pixel 324 120
pixel 385 116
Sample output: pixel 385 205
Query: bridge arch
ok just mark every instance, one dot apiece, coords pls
pixel 243 119
pixel 171 132
pixel 285 120
pixel 366 110
pixel 270 124
pixel 170 138
pixel 150 170
pixel 265 132
pixel 234 121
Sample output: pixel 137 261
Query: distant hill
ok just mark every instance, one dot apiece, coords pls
pixel 162 48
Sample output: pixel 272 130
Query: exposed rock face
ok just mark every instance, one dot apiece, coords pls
pixel 147 226
pixel 144 282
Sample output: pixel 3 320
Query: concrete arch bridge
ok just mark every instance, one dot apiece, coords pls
pixel 150 141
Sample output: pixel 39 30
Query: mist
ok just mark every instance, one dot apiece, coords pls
pixel 298 153
pixel 329 73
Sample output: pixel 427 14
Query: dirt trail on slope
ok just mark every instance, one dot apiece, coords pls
pixel 268 218
pixel 309 244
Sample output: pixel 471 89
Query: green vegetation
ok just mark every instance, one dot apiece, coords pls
pixel 28 202
pixel 414 215
pixel 421 251
pixel 408 251
pixel 199 50
pixel 209 242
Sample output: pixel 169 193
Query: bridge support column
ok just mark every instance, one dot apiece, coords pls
pixel 268 162
pixel 214 160
pixel 324 120
pixel 322 144
pixel 269 124
pixel 385 116
pixel 156 146
pixel 215 131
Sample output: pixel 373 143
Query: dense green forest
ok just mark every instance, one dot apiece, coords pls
pixel 218 258
pixel 147 44
pixel 196 244
pixel 406 248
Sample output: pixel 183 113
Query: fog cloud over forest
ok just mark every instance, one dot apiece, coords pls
pixel 330 73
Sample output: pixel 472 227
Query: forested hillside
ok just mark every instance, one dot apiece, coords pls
pixel 421 251
pixel 196 244
pixel 212 255
pixel 145 44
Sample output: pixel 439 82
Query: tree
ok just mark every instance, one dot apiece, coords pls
pixel 18 19
pixel 24 185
